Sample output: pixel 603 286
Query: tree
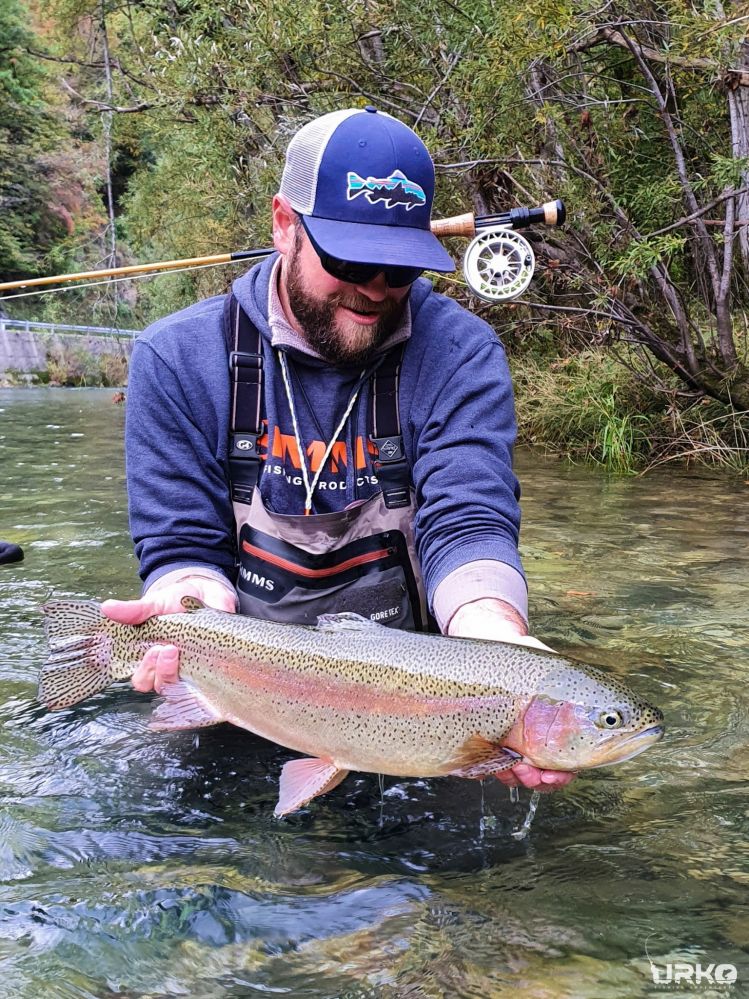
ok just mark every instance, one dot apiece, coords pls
pixel 27 132
pixel 636 113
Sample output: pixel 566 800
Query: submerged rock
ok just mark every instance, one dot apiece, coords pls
pixel 10 552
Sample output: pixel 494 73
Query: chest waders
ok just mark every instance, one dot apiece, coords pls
pixel 293 568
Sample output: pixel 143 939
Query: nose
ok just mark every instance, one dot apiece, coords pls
pixel 375 290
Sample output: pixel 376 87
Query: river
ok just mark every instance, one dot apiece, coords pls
pixel 135 863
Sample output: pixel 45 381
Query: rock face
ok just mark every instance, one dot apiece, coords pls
pixel 25 352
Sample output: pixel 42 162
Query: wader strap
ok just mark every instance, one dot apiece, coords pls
pixel 244 346
pixel 391 466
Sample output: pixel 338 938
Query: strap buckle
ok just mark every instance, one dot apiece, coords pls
pixel 389 449
pixel 244 446
pixel 242 359
pixel 244 466
pixel 392 471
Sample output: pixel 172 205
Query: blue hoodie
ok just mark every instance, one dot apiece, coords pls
pixel 457 420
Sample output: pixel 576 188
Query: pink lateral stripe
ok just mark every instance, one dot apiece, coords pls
pixel 341 694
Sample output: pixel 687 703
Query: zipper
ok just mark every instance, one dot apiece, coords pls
pixel 303 570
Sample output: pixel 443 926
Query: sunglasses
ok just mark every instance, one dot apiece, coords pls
pixel 351 273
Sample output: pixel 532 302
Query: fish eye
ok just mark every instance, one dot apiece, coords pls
pixel 609 719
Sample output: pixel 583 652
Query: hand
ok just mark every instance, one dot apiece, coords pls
pixel 526 775
pixel 497 621
pixel 160 664
pixel 494 620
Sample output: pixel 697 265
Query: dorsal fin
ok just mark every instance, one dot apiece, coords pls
pixel 192 604
pixel 346 621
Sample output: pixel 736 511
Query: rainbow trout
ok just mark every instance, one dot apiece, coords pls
pixel 353 695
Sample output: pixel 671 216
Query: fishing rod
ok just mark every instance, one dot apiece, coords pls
pixel 498 263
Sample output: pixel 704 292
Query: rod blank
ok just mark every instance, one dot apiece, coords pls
pixel 552 213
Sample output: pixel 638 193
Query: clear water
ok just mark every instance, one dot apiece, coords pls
pixel 141 864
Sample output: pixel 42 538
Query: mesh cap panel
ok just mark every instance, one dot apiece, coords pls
pixel 299 179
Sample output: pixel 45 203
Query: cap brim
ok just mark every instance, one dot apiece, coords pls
pixel 391 245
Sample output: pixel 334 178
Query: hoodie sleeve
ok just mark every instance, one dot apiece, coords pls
pixel 468 514
pixel 179 503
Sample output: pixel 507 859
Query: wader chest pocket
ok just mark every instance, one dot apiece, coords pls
pixel 370 576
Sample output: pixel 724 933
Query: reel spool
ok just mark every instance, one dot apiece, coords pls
pixel 498 264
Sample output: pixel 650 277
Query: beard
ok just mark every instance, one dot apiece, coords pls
pixel 341 342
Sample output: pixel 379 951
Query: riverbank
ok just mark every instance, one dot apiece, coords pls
pixel 591 407
pixel 32 357
pixel 586 407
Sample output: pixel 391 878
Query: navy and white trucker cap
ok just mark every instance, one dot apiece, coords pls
pixel 364 183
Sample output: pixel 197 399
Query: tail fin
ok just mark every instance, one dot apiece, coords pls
pixel 78 664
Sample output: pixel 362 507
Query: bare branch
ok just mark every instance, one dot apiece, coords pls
pixel 611 36
pixel 203 100
pixel 702 211
pixel 451 66
pixel 70 61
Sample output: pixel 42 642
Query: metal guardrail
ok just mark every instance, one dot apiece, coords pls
pixel 28 325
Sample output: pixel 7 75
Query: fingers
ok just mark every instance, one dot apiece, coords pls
pixel 128 611
pixel 525 775
pixel 168 600
pixel 216 595
pixel 556 778
pixel 159 666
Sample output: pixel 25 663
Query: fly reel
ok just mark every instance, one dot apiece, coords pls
pixel 498 264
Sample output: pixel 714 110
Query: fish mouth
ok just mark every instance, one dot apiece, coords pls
pixel 620 751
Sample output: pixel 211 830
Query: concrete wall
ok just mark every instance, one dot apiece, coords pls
pixel 26 351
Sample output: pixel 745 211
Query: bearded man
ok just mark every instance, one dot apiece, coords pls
pixel 332 435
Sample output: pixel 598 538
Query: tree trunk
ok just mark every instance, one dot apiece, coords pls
pixel 738 106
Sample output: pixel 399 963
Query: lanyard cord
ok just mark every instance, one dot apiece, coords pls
pixel 309 489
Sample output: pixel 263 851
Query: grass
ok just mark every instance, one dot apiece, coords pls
pixel 590 407
pixel 586 406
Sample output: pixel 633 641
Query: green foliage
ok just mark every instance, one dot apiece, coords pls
pixel 519 103
pixel 728 171
pixel 26 133
pixel 641 255
pixel 78 367
pixel 587 406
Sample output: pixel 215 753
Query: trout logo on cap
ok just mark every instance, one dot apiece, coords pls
pixel 394 190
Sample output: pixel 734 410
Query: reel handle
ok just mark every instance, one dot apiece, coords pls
pixel 550 213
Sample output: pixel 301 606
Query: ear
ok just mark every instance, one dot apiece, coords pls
pixel 284 221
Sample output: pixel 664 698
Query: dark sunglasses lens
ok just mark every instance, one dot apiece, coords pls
pixel 399 277
pixel 343 270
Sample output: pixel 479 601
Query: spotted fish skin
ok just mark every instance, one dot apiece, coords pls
pixel 359 695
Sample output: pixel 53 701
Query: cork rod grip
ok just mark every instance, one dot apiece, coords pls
pixel 458 225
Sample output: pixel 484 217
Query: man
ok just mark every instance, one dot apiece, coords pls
pixel 357 456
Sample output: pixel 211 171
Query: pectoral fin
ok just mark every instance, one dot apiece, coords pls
pixel 182 707
pixel 303 780
pixel 481 758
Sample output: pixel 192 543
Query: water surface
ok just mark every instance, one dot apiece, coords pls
pixel 135 863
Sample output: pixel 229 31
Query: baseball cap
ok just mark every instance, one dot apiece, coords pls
pixel 364 183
